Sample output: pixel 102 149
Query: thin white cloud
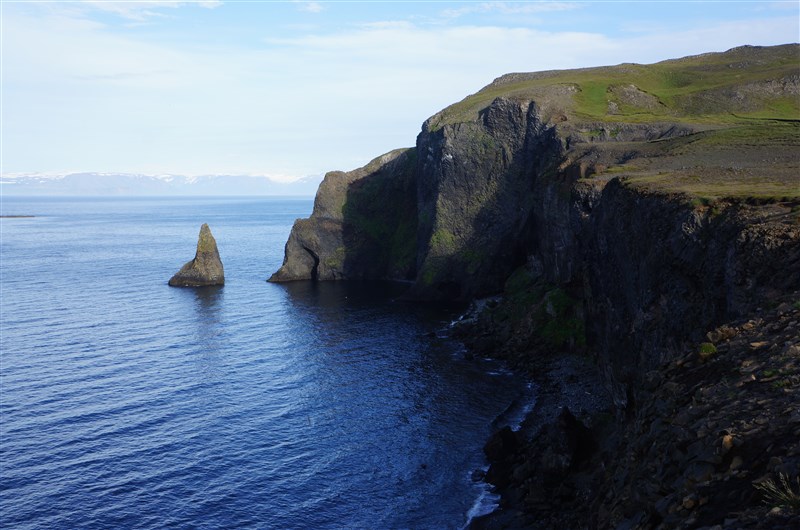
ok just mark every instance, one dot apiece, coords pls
pixel 510 8
pixel 311 7
pixel 142 10
pixel 77 94
pixel 65 51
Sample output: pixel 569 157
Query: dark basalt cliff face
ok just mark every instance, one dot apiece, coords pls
pixel 658 272
pixel 476 197
pixel 620 212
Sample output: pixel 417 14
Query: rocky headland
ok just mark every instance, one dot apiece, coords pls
pixel 633 236
pixel 206 267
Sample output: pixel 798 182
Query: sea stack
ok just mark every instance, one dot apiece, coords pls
pixel 206 267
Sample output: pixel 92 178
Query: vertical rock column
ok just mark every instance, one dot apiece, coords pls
pixel 206 267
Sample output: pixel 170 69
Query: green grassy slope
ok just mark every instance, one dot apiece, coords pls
pixel 743 104
pixel 690 89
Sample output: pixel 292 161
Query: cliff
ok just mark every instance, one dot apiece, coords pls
pixel 713 442
pixel 492 178
pixel 619 212
pixel 363 225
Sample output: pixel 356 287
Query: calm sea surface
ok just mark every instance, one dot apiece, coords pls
pixel 125 403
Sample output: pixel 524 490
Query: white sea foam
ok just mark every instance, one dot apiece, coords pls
pixel 484 504
pixel 514 415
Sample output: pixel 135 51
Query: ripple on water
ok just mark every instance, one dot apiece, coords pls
pixel 126 403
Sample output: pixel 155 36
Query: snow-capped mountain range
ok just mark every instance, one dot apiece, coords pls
pixel 127 184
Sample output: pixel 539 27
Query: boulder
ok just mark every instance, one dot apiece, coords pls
pixel 206 267
pixel 503 444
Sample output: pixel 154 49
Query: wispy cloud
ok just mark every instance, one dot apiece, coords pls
pixel 80 93
pixel 510 8
pixel 122 76
pixel 140 11
pixel 310 7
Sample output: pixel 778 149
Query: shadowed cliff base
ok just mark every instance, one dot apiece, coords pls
pixel 711 431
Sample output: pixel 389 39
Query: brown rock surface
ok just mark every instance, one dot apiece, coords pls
pixel 206 267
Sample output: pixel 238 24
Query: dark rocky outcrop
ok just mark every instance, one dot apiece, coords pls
pixel 710 428
pixel 619 214
pixel 363 225
pixel 206 267
pixel 476 197
pixel 660 271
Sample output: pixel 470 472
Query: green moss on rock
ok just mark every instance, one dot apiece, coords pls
pixel 206 267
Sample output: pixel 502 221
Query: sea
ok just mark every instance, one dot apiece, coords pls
pixel 126 403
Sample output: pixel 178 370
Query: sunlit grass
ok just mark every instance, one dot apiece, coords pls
pixel 679 85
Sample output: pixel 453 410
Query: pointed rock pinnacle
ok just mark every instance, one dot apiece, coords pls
pixel 205 268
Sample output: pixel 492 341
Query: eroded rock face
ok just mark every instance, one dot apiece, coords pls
pixel 660 271
pixel 206 267
pixel 475 194
pixel 363 225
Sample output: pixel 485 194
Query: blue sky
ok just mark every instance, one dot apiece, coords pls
pixel 289 89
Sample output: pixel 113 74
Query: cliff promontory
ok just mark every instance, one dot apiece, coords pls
pixel 622 214
pixel 363 225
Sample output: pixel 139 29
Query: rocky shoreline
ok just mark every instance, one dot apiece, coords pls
pixel 711 428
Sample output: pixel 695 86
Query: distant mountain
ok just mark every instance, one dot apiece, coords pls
pixel 124 184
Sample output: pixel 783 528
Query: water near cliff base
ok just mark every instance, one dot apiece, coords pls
pixel 125 403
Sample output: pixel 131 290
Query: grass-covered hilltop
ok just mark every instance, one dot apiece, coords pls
pixel 738 107
pixel 632 236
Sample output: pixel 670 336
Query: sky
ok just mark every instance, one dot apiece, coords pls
pixel 293 89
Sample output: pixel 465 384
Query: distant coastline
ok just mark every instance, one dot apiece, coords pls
pixel 126 184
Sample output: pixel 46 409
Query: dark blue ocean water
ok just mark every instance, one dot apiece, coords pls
pixel 125 403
